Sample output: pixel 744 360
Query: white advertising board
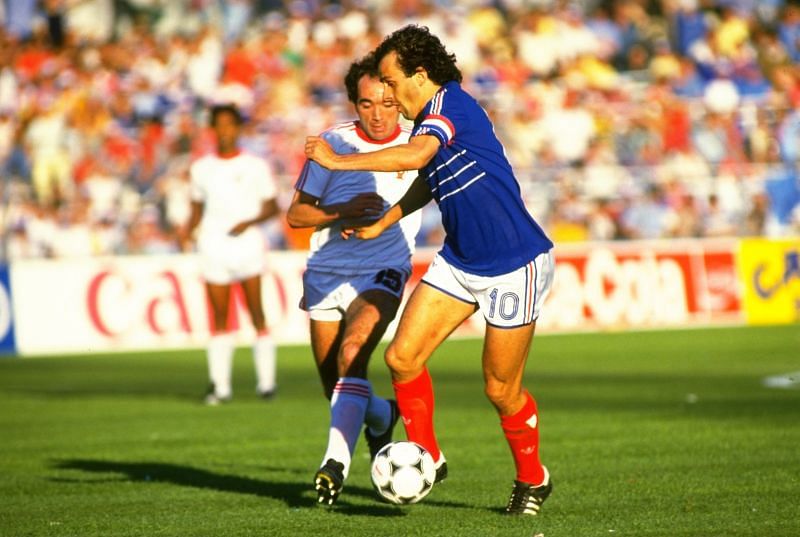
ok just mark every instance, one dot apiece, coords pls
pixel 127 303
pixel 159 302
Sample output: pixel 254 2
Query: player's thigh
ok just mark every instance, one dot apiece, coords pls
pixel 429 317
pixel 366 320
pixel 371 312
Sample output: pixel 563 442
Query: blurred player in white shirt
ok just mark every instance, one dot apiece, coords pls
pixel 352 288
pixel 232 192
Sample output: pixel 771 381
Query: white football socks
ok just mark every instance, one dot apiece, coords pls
pixel 220 363
pixel 349 403
pixel 265 362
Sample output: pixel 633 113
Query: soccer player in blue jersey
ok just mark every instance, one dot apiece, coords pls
pixel 495 257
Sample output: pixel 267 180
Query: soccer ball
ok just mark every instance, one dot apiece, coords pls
pixel 403 472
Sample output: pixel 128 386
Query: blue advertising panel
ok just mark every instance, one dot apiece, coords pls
pixel 7 343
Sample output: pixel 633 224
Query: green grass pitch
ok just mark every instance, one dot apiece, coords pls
pixel 646 434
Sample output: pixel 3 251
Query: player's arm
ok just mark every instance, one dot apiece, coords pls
pixel 306 211
pixel 269 208
pixel 416 197
pixel 413 155
pixel 185 232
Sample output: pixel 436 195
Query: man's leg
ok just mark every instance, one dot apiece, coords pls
pixel 430 316
pixel 220 346
pixel 365 322
pixel 368 316
pixel 505 353
pixel 264 354
pixel 326 337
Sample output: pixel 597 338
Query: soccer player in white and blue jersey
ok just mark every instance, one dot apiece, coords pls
pixel 352 288
pixel 495 257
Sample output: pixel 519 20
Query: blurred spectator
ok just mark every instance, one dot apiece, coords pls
pixel 782 185
pixel 789 30
pixel 648 216
pixel 45 141
pixel 687 218
pixel 569 128
pixel 89 20
pixel 756 220
pixel 602 221
pixel 20 17
pixel 689 25
pixel 73 235
pixel 716 222
pixel 102 190
pixel 788 134
pixel 623 118
pixel 236 14
pixel 569 221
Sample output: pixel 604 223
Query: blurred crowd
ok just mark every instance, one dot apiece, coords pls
pixel 624 119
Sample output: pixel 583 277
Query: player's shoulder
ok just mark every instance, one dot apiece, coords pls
pixel 250 157
pixel 201 162
pixel 339 131
pixel 449 96
pixel 406 129
pixel 343 127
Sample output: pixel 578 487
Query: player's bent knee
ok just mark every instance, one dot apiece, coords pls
pixel 502 395
pixel 401 363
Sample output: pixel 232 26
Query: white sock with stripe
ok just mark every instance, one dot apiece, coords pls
pixel 220 363
pixel 351 396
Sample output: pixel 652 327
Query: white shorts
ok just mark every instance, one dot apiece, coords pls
pixel 224 260
pixel 326 296
pixel 508 300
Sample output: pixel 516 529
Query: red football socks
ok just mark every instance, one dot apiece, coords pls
pixel 522 433
pixel 415 400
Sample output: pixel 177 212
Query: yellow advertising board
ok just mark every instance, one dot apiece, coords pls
pixel 769 270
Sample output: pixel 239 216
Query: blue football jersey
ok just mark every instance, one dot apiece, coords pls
pixel 489 229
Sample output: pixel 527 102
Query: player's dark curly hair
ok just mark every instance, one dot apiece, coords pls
pixel 365 66
pixel 227 108
pixel 416 46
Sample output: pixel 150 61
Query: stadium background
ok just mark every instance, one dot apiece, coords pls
pixel 627 120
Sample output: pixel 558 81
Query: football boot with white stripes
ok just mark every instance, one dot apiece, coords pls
pixel 527 499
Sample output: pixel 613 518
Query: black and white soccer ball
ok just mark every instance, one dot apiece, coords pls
pixel 403 472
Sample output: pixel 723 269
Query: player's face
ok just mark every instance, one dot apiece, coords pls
pixel 226 129
pixel 378 116
pixel 403 90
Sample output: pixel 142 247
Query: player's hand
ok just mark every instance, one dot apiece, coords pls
pixel 238 229
pixel 318 150
pixel 368 232
pixel 363 230
pixel 184 239
pixel 364 205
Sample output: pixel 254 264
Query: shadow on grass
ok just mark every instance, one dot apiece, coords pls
pixel 295 495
